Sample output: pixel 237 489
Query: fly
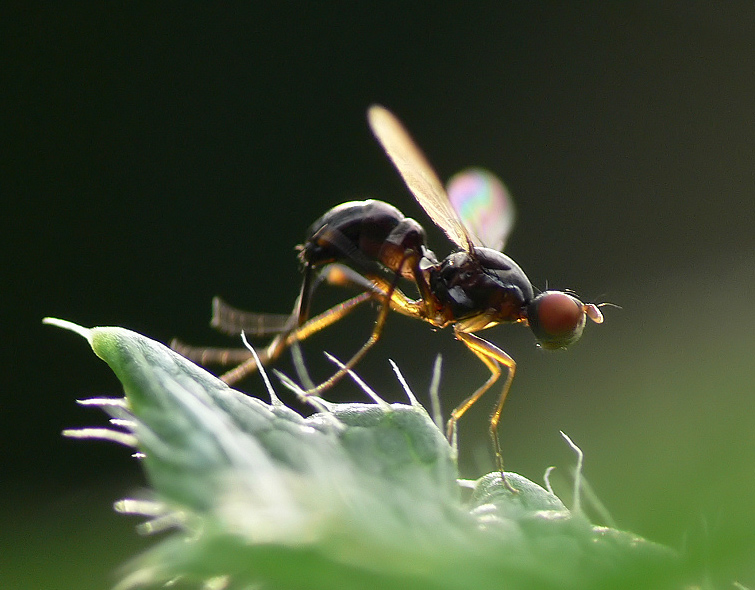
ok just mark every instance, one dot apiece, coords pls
pixel 372 245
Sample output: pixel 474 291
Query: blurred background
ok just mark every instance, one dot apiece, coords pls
pixel 156 156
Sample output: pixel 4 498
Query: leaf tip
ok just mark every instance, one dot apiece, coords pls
pixel 66 325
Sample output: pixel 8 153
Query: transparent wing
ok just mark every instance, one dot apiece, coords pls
pixel 233 321
pixel 484 206
pixel 418 174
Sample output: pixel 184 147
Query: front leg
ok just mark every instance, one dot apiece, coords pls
pixel 493 357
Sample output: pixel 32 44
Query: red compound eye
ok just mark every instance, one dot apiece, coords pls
pixel 557 319
pixel 559 313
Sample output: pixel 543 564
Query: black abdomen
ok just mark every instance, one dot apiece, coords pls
pixel 363 234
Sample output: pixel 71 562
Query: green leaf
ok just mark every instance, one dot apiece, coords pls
pixel 355 496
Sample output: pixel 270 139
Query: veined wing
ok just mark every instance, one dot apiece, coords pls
pixel 418 175
pixel 233 321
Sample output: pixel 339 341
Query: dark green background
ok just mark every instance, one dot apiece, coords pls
pixel 156 156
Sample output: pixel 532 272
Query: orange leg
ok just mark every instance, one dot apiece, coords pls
pixel 231 320
pixel 392 298
pixel 338 274
pixel 493 357
pixel 283 341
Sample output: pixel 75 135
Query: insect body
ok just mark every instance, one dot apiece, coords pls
pixel 372 245
pixel 363 234
pixel 371 237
